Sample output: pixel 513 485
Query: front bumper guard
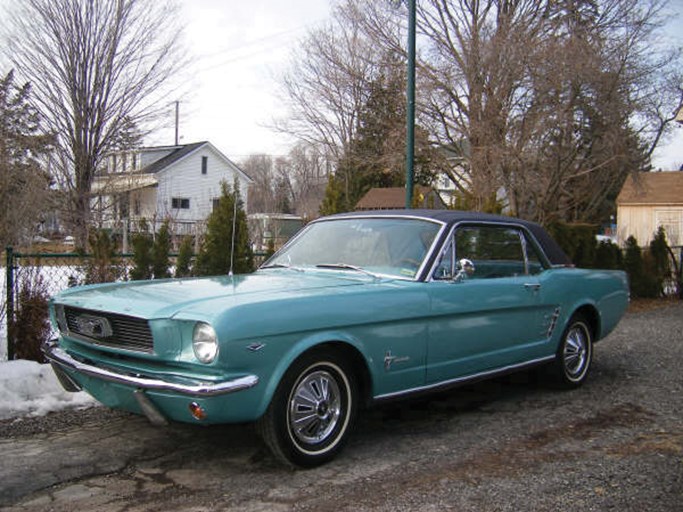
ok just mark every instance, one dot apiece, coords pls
pixel 61 361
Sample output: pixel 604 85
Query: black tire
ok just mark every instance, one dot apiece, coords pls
pixel 574 355
pixel 312 411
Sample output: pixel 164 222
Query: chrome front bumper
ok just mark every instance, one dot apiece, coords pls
pixel 61 361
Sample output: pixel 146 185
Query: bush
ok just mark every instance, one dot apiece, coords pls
pixel 104 266
pixel 643 282
pixel 142 254
pixel 31 325
pixel 182 268
pixel 578 241
pixel 608 256
pixel 160 250
pixel 659 258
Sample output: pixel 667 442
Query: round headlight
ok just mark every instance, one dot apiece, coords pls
pixel 204 342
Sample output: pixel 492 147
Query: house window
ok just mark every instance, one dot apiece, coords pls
pixel 215 203
pixel 205 164
pixel 180 203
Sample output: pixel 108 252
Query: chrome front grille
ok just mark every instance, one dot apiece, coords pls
pixel 110 329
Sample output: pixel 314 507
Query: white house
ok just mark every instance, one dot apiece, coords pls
pixel 180 183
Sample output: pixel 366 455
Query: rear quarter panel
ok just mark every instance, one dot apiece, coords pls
pixel 572 288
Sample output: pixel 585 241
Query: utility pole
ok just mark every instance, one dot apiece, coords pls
pixel 177 120
pixel 410 107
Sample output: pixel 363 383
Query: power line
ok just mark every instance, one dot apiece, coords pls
pixel 259 43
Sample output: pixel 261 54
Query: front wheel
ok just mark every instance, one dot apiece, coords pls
pixel 575 354
pixel 312 411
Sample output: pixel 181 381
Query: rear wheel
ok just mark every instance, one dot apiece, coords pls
pixel 575 354
pixel 312 412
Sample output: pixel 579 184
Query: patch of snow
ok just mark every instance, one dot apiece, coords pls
pixel 31 389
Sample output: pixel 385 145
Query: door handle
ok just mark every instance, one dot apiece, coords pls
pixel 532 286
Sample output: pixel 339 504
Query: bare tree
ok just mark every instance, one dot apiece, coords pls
pixel 543 106
pixel 296 181
pixel 261 191
pixel 305 171
pixel 541 97
pixel 325 85
pixel 96 67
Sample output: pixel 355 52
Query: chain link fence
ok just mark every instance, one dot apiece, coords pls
pixel 30 279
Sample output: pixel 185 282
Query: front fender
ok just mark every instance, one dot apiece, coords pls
pixel 309 342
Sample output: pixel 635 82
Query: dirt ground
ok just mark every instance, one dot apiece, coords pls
pixel 511 444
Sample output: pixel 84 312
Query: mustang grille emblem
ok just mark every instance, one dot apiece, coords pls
pixel 93 326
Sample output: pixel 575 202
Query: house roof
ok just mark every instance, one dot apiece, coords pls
pixel 171 158
pixel 390 198
pixel 652 188
pixel 181 152
pixel 679 117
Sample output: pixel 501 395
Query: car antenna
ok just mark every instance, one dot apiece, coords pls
pixel 232 242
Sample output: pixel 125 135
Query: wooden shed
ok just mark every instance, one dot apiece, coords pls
pixel 649 200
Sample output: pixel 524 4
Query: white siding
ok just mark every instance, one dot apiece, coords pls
pixel 184 180
pixel 643 221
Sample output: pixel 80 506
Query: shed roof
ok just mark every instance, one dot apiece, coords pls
pixel 652 188
pixel 391 198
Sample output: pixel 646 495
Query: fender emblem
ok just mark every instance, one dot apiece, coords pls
pixel 390 359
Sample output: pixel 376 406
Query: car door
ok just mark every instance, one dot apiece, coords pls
pixel 488 315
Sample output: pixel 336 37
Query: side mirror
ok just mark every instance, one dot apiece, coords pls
pixel 464 268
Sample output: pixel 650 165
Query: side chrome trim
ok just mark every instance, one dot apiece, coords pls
pixel 464 380
pixel 64 361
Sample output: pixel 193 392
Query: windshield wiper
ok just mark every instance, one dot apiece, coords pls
pixel 346 266
pixel 281 265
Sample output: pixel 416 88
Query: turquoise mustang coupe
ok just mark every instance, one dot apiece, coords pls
pixel 357 308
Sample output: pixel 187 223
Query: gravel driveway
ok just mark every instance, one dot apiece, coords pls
pixel 511 444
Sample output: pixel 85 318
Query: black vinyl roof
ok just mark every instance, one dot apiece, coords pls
pixel 554 253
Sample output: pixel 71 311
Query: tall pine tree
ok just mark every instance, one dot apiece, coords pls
pixel 215 252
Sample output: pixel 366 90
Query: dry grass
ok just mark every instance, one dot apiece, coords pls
pixel 643 305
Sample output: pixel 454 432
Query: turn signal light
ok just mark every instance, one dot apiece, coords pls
pixel 197 412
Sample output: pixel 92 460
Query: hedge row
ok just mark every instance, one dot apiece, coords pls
pixel 653 271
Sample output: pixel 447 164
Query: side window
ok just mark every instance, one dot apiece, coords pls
pixel 444 270
pixel 535 262
pixel 495 251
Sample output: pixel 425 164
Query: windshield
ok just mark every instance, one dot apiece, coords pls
pixel 385 246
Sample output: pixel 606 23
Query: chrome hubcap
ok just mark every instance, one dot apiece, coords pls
pixel 576 352
pixel 315 407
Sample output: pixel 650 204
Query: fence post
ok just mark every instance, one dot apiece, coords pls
pixel 9 274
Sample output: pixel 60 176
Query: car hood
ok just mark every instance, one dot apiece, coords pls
pixel 207 296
